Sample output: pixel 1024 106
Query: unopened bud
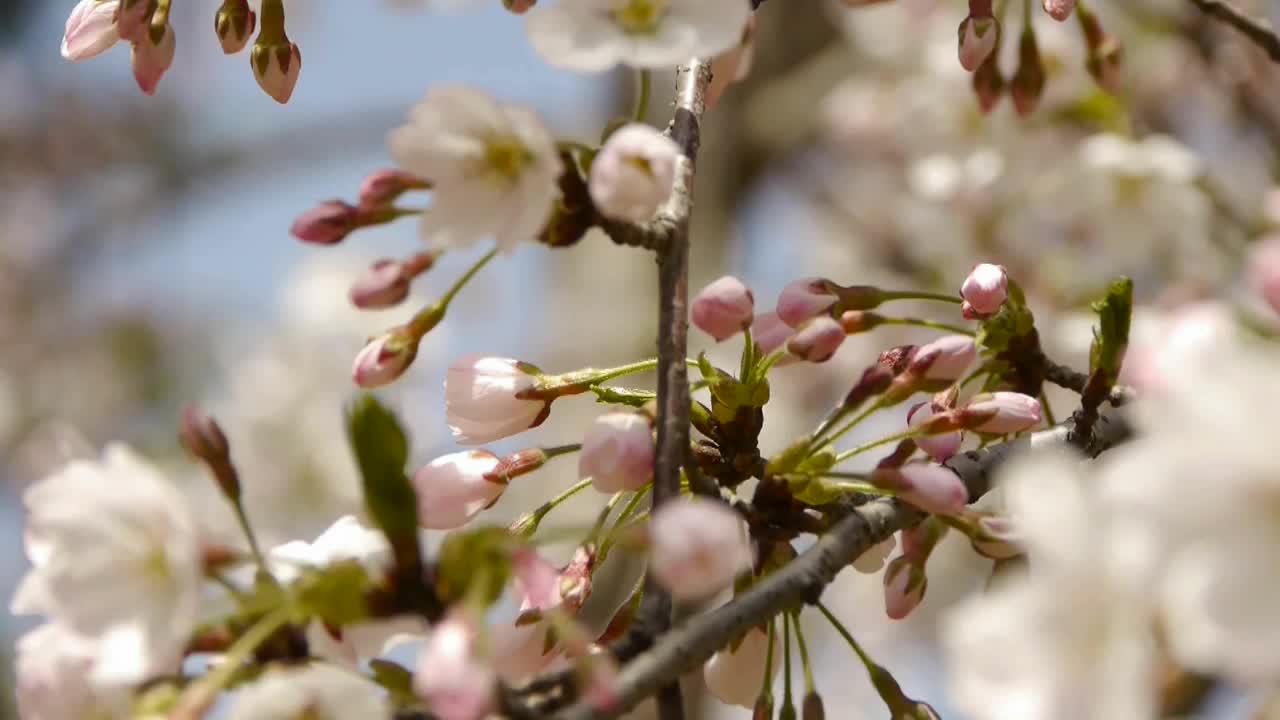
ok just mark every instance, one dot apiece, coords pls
pixel 724 308
pixel 152 57
pixel 201 436
pixel 385 358
pixel 817 340
pixel 978 39
pixel 787 711
pixel 1028 80
pixel 984 291
pixel 859 321
pixel 804 299
pixel 874 381
pixel 1059 9
pixel 944 360
pixel 517 464
pixel 769 332
pixel 988 83
pixel 813 708
pixel 326 224
pixel 904 587
pixel 386 283
pixel 276 61
pixel 1105 52
pixel 134 17
pixel 896 359
pixel 382 187
pixel 763 709
pixel 234 25
pixel 519 7
pixel 1000 413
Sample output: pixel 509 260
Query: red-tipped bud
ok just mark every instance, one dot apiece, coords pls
pixel 904 586
pixel 384 358
pixel 1000 413
pixel 805 299
pixel 1059 9
pixel 326 224
pixel 1028 80
pixel 984 291
pixel 152 58
pixel 988 83
pixel 381 187
pixel 979 36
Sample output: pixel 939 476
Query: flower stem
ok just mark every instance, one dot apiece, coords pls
pixel 199 696
pixel 466 277
pixel 430 316
pixel 528 525
pixel 786 661
pixel 558 450
pixel 766 685
pixel 748 356
pixel 840 628
pixel 827 424
pixel 645 81
pixel 254 548
pixel 913 295
pixel 920 322
pixel 608 542
pixel 874 444
pixel 804 655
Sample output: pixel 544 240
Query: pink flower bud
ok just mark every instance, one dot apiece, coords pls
pixel 234 25
pixel 697 547
pixel 817 340
pixel 988 83
pixel 769 333
pixel 617 453
pixel 456 682
pixel 939 447
pixel 734 675
pixel 1263 274
pixel 276 66
pixel 325 224
pixel 519 7
pixel 1059 9
pixel 385 285
pixel 454 488
pixel 151 59
pixel 945 359
pixel 724 308
pixel 381 187
pixel 1000 413
pixel 132 21
pixel 932 488
pixel 978 37
pixel 91 29
pixel 733 65
pixel 634 173
pixel 904 587
pixel 984 290
pixel 384 359
pixel 481 403
pixel 804 299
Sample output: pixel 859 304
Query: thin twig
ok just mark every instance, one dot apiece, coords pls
pixel 1256 29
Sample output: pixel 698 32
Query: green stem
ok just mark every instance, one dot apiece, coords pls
pixel 603 516
pixel 920 322
pixel 645 80
pixel 748 356
pixel 913 295
pixel 874 444
pixel 766 685
pixel 818 440
pixel 1048 409
pixel 608 542
pixel 466 277
pixel 840 628
pixel 786 661
pixel 528 525
pixel 200 695
pixel 254 548
pixel 804 655
pixel 595 377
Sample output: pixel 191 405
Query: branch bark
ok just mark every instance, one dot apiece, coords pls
pixel 1256 29
pixel 673 331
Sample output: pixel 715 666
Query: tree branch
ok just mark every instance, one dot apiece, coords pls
pixel 802 580
pixel 1256 29
pixel 673 332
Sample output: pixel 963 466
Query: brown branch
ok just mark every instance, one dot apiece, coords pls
pixel 1256 29
pixel 673 334
pixel 1074 380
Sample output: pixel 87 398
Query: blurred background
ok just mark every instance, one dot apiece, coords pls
pixel 145 260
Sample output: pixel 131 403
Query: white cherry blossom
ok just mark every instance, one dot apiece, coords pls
pixel 53 668
pixel 115 558
pixel 493 167
pixel 313 692
pixel 595 35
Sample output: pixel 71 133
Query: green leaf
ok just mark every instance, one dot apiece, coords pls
pixel 474 565
pixel 396 679
pixel 382 450
pixel 631 397
pixel 1111 337
pixel 334 593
